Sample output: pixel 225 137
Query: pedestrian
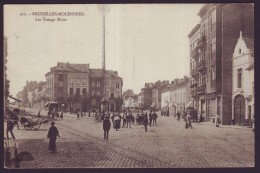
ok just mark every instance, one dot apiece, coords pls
pixel 150 119
pixel 178 115
pixel 217 120
pixel 78 115
pixel 124 120
pixel 188 121
pixel 106 127
pixel 145 122
pixel 61 115
pixel 39 113
pixel 16 120
pixel 154 117
pixel 10 127
pixel 128 120
pixel 117 120
pixel 52 135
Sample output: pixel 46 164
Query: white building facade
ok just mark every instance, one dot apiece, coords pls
pixel 243 82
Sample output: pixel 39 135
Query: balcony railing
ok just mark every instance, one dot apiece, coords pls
pixel 201 89
pixel 201 66
pixel 194 53
pixel 201 42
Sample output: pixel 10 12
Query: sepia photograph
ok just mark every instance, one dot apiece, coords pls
pixel 129 85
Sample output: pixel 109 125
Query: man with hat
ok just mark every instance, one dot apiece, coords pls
pixel 106 127
pixel 52 135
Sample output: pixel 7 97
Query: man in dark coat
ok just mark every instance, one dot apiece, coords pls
pixel 106 127
pixel 150 118
pixel 10 127
pixel 52 135
pixel 178 115
pixel 145 122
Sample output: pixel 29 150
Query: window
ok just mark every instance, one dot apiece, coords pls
pixel 78 81
pixel 71 80
pixel 112 95
pixel 117 93
pixel 84 91
pixel 98 84
pixel 71 91
pixel 239 51
pixel 93 93
pixel 98 93
pixel 93 84
pixel 84 81
pixel 60 77
pixel 117 85
pixel 239 78
pixel 77 91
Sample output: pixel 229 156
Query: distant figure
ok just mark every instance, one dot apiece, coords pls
pixel 145 122
pixel 52 135
pixel 78 115
pixel 188 121
pixel 106 127
pixel 128 120
pixel 61 115
pixel 10 127
pixel 39 113
pixel 16 120
pixel 150 118
pixel 178 115
pixel 154 118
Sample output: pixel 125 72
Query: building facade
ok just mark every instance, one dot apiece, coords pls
pixel 110 89
pixel 146 95
pixel 243 82
pixel 68 84
pixel 211 58
pixel 179 96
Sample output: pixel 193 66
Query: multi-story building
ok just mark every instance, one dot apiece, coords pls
pixel 211 46
pixel 112 92
pixel 146 95
pixel 179 96
pixel 68 84
pixel 157 92
pixel 243 81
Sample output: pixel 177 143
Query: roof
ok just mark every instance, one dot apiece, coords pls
pixel 250 44
pixel 73 67
pixel 108 73
pixel 194 30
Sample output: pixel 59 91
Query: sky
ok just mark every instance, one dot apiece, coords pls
pixel 143 42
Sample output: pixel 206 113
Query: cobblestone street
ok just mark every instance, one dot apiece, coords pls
pixel 167 145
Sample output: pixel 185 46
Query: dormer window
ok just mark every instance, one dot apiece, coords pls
pixel 239 50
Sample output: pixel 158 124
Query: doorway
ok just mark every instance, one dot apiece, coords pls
pixel 239 106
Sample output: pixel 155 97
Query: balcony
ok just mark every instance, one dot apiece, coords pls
pixel 201 66
pixel 194 73
pixel 201 42
pixel 193 93
pixel 201 89
pixel 194 53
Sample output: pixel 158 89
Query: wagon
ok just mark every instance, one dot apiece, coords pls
pixel 32 123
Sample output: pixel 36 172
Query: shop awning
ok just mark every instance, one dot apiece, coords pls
pixel 47 104
pixel 189 104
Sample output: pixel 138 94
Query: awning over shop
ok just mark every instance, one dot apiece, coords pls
pixel 189 104
pixel 47 104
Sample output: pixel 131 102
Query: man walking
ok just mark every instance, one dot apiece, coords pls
pixel 128 120
pixel 154 117
pixel 178 115
pixel 145 122
pixel 150 118
pixel 106 127
pixel 10 127
pixel 188 121
pixel 52 135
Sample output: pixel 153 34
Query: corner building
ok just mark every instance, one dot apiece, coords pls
pixel 212 43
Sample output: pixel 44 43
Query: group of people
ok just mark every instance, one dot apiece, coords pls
pixel 54 114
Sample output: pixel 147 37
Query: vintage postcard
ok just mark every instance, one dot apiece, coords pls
pixel 129 86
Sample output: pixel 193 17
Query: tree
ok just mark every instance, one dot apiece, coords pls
pixel 128 92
